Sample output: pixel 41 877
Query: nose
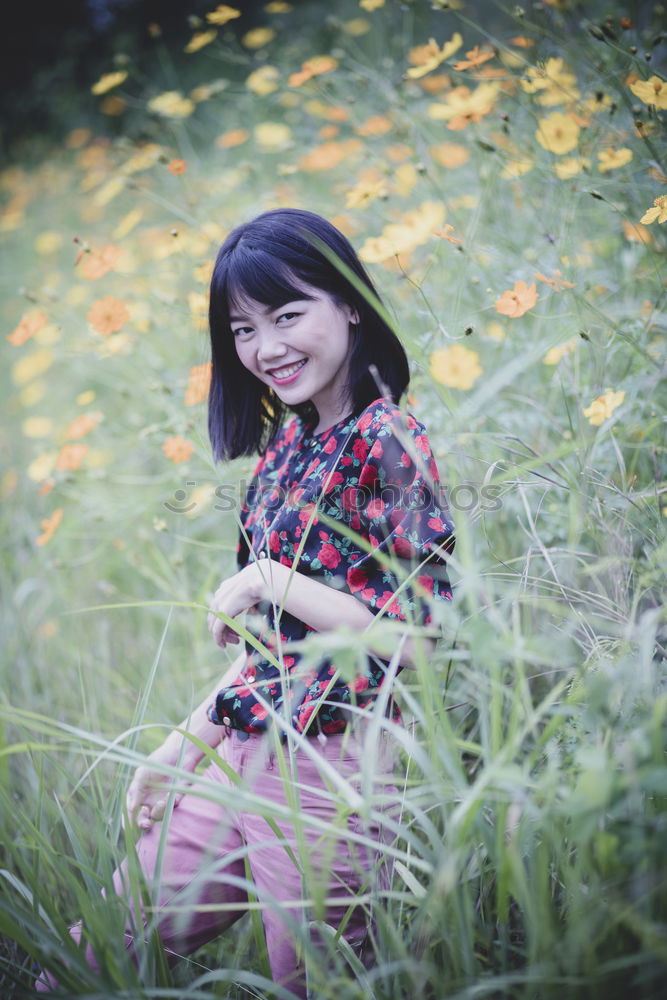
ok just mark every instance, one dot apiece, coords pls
pixel 270 347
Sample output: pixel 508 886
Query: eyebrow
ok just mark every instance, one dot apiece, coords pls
pixel 266 311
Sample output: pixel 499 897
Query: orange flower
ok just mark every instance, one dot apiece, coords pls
pixel 329 154
pixel 178 449
pixel 375 125
pixel 522 42
pixel 82 424
pixel 312 67
pixel 108 315
pixel 516 301
pixel 177 167
pixel 31 323
pixel 71 456
pixel 636 233
pixel 235 137
pixel 444 234
pixel 49 525
pixel 476 57
pixel 557 282
pixel 199 381
pixel 97 263
pixel 450 154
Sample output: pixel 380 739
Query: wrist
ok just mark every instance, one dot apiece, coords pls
pixel 260 575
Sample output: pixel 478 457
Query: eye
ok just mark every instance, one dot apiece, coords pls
pixel 288 316
pixel 242 331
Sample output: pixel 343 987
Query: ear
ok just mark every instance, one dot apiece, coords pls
pixel 353 315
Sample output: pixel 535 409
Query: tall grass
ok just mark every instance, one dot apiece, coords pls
pixel 529 858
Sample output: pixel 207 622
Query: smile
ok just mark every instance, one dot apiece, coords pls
pixel 287 373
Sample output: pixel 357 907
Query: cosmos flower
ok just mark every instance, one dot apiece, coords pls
pixel 457 367
pixel 603 407
pixel 516 301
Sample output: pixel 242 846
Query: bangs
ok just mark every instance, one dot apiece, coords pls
pixel 259 277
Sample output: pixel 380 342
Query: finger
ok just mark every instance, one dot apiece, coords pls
pixel 144 821
pixel 157 812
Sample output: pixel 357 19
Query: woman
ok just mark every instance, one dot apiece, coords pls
pixel 343 524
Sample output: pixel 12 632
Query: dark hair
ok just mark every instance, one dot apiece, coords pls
pixel 267 259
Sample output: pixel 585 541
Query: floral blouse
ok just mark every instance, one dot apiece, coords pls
pixel 358 507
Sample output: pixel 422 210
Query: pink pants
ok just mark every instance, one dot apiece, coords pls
pixel 203 879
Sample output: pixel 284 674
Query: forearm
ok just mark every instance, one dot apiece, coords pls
pixel 197 723
pixel 324 608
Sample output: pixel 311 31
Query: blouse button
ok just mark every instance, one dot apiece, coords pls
pixel 226 721
pixel 262 555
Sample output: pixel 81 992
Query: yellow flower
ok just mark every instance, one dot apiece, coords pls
pixel 554 355
pixel 554 79
pixel 222 14
pixel 32 365
pixel 516 168
pixel 464 103
pixel 572 165
pixel 603 407
pixel 108 82
pixel 365 191
pixel 171 104
pixel 429 57
pixel 558 133
pixel 612 158
pixel 42 466
pixel 415 228
pixel 48 242
pixel 651 91
pixel 49 525
pixel 659 211
pixel 263 81
pixel 86 397
pixel 356 27
pixel 371 5
pixel 514 302
pixel 257 37
pixel 200 39
pixel 272 136
pixel 178 449
pixel 495 330
pixel 144 158
pixel 278 7
pixel 37 427
pixel 457 367
pixel 127 223
pixel 32 392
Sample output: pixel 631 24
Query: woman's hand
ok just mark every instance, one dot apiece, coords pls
pixel 234 596
pixel 146 798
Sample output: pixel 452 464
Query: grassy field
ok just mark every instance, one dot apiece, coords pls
pixel 502 172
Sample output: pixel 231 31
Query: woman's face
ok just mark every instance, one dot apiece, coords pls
pixel 300 350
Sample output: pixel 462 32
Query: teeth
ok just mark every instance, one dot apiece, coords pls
pixel 286 372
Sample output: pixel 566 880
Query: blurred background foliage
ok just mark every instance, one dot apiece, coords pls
pixel 501 170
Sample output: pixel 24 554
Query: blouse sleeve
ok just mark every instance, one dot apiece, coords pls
pixel 403 514
pixel 245 517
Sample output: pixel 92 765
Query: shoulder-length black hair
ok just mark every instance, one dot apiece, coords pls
pixel 267 260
